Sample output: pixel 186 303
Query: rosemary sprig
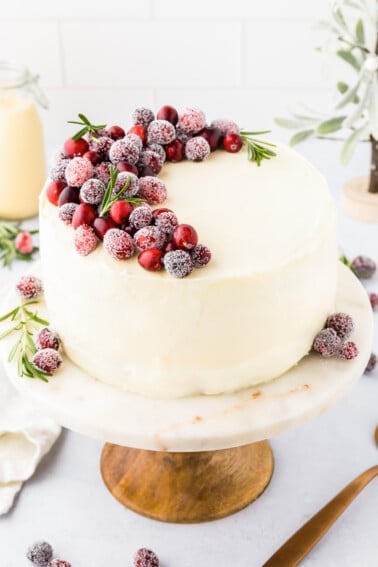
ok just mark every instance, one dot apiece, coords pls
pixel 110 197
pixel 8 250
pixel 86 127
pixel 257 149
pixel 23 322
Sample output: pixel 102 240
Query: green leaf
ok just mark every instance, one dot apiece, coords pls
pixel 360 32
pixel 301 136
pixel 350 95
pixel 349 58
pixel 84 119
pixel 344 260
pixel 342 87
pixel 287 123
pixel 350 144
pixel 331 125
pixel 80 134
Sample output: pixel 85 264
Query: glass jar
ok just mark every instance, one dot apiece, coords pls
pixel 22 156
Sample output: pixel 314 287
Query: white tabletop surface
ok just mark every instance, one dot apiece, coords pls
pixel 67 504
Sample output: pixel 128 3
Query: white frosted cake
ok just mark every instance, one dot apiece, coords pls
pixel 246 318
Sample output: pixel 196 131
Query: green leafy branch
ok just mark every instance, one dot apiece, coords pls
pixel 86 127
pixel 111 196
pixel 24 322
pixel 257 149
pixel 8 250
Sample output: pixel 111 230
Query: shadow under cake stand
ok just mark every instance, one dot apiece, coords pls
pixel 205 457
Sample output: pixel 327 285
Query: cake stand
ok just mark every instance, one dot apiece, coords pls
pixel 204 457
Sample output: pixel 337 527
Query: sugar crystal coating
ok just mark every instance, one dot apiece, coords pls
pixel 342 323
pixel 145 558
pixel 140 217
pixel 92 191
pixel 66 212
pixel 178 263
pixel 192 120
pixel 158 149
pixel 47 360
pixel 348 350
pixel 200 255
pixel 29 287
pixel 143 116
pixel 47 338
pixel 40 553
pixel 118 244
pixel 152 189
pixel 149 237
pixel 134 139
pixel 101 145
pixel 85 239
pixel 102 171
pixel 225 126
pixel 197 149
pixel 133 184
pixel 124 150
pixel 57 172
pixel 161 132
pixel 78 171
pixel 167 222
pixel 151 159
pixel 59 563
pixel 327 343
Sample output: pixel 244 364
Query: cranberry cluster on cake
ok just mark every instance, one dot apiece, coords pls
pixel 104 183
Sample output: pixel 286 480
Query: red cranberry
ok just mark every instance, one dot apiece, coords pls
pixel 213 136
pixel 168 113
pixel 93 157
pixel 175 151
pixel 116 132
pixel 120 211
pixel 84 214
pixel 146 171
pixel 151 259
pixel 157 212
pixel 140 131
pixel 169 247
pixel 126 166
pixel 74 148
pixel 69 195
pixel 232 143
pixel 54 190
pixel 185 237
pixel 24 243
pixel 101 225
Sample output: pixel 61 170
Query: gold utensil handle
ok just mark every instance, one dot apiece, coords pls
pixel 299 545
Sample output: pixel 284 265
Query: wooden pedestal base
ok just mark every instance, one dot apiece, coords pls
pixel 357 202
pixel 187 487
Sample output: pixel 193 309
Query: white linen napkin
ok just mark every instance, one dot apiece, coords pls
pixel 25 436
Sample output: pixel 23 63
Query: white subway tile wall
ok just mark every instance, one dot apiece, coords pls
pixel 245 59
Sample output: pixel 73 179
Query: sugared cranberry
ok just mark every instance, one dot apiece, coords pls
pixel 152 189
pixel 48 360
pixel 213 137
pixel 129 180
pixel 69 195
pixel 85 239
pixel 363 266
pixel 102 171
pixel 124 150
pixel 371 363
pixel 327 343
pixel 116 132
pixel 200 255
pixel 53 191
pixel 161 132
pixel 232 143
pixel 182 136
pixel 192 120
pixel 175 151
pixel 348 351
pixel 373 298
pixel 47 338
pixel 178 263
pixel 125 166
pixel 159 211
pixel 168 113
pixel 40 553
pixel 59 563
pixel 149 237
pixel 143 116
pixel 145 558
pixel 101 225
pixel 185 237
pixel 342 323
pixel 57 173
pixel 134 139
pixel 158 149
pixel 93 157
pixel 73 148
pixel 24 242
pixel 118 244
pixel 101 146
pixel 166 221
pixel 197 149
pixel 78 171
pixel 120 212
pixel 150 159
pixel 140 217
pixel 225 126
pixel 140 131
pixel 29 287
pixel 84 214
pixel 66 212
pixel 92 191
pixel 151 259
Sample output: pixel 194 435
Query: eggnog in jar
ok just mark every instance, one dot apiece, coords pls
pixel 22 162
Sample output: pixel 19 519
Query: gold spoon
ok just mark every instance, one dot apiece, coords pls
pixel 299 545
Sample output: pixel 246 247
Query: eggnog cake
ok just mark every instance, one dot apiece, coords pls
pixel 222 286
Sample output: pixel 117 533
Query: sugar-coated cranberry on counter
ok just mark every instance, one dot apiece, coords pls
pixel 101 225
pixel 178 263
pixel 93 157
pixel 161 132
pixel 143 116
pixel 140 131
pixel 197 149
pixel 85 239
pixel 232 143
pixel 200 256
pixel 24 243
pixel 29 287
pixel 53 191
pixel 118 244
pixel 78 171
pixel 69 195
pixel 145 558
pixel 175 151
pixel 40 553
pixel 153 190
pixel 126 166
pixel 168 113
pixel 120 211
pixel 116 132
pixel 47 360
pixel 151 260
pixel 66 212
pixel 185 237
pixel 73 148
pixel 192 120
pixel 149 237
pixel 84 214
pixel 213 136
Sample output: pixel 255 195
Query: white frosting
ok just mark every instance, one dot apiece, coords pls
pixel 246 318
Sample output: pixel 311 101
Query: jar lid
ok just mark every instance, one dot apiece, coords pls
pixel 15 75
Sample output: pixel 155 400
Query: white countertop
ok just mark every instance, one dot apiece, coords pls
pixel 67 504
